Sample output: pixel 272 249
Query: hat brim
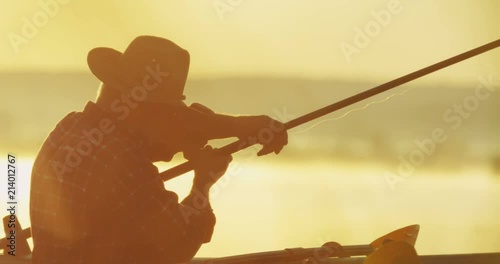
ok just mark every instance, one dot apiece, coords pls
pixel 105 64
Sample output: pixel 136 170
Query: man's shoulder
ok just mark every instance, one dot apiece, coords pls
pixel 90 137
pixel 90 127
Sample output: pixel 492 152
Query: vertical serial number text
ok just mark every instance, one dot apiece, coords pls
pixel 11 204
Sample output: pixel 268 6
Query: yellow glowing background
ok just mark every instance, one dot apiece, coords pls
pixel 297 38
pixel 287 56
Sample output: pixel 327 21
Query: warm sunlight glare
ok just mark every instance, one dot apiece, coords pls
pixel 426 152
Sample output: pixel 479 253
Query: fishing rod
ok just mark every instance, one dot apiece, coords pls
pixel 241 144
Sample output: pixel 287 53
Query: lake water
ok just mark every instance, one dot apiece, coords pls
pixel 275 203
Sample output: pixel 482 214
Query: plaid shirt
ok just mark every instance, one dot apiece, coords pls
pixel 96 197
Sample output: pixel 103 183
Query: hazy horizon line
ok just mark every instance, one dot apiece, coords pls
pixel 236 77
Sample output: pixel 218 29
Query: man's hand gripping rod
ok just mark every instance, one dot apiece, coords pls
pixel 242 144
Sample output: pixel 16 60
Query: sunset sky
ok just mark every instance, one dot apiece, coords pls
pixel 302 200
pixel 247 38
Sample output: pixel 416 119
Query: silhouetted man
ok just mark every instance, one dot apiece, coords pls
pixel 96 196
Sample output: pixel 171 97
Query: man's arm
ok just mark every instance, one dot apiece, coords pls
pixel 260 128
pixel 209 167
pixel 195 208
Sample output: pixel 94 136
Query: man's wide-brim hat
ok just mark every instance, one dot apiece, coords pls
pixel 151 69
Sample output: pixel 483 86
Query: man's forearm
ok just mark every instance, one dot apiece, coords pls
pixel 224 126
pixel 199 215
pixel 198 198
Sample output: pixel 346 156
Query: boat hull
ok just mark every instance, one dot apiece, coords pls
pixel 481 258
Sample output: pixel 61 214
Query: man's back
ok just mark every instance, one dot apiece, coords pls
pixel 94 193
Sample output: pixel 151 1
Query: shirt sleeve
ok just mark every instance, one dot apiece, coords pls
pixel 154 215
